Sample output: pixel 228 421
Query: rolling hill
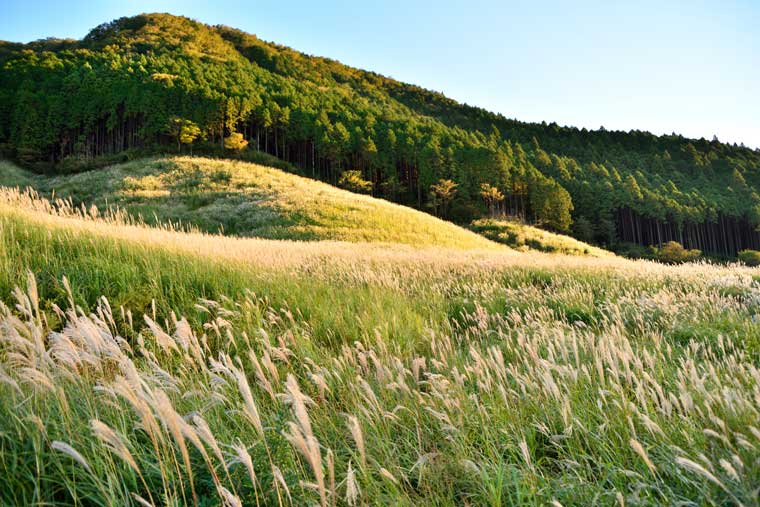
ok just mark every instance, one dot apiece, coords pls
pixel 243 199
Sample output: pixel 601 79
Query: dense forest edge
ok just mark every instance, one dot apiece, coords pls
pixel 160 83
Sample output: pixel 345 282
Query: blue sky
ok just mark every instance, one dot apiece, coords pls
pixel 691 67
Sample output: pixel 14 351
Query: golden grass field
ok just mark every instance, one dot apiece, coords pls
pixel 248 200
pixel 245 199
pixel 145 365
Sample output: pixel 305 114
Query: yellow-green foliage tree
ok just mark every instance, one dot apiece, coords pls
pixel 353 181
pixel 184 131
pixel 235 142
pixel 441 194
pixel 492 196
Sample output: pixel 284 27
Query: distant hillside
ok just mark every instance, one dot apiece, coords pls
pixel 525 237
pixel 245 199
pixel 161 82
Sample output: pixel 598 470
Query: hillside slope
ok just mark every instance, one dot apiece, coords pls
pixel 245 199
pixel 526 237
pixel 132 85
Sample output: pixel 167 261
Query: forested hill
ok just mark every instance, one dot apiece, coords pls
pixel 157 82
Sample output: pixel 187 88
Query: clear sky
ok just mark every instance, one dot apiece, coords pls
pixel 691 67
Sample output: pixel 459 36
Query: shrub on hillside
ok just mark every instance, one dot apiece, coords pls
pixel 235 142
pixel 353 181
pixel 750 257
pixel 673 252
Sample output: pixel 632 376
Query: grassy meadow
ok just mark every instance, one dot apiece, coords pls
pixel 244 199
pixel 249 200
pixel 143 366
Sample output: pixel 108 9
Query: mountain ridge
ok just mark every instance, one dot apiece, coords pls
pixel 57 43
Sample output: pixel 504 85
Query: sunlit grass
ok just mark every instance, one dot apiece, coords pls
pixel 245 199
pixel 332 373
